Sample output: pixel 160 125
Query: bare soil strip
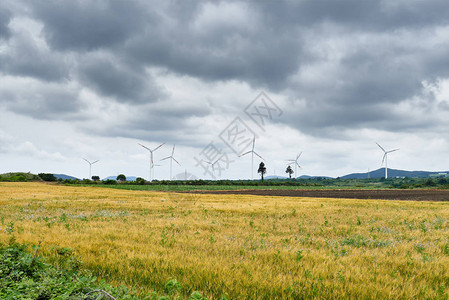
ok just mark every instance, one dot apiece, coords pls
pixel 413 195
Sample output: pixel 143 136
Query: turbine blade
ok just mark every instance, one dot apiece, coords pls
pixel 383 159
pixel 245 153
pixel 96 161
pixel 298 156
pixel 158 147
pixel 381 147
pixel 175 161
pixel 165 158
pixel 173 151
pixel 298 165
pixel 254 142
pixel 87 161
pixel 145 147
pixel 258 155
pixel 392 150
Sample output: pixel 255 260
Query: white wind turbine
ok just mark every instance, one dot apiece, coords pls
pixel 385 158
pixel 171 160
pixel 295 162
pixel 152 161
pixel 252 157
pixel 90 166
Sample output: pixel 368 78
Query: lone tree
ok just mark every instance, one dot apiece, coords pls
pixel 95 178
pixel 289 171
pixel 262 170
pixel 121 177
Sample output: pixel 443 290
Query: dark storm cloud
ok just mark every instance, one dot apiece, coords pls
pixel 222 41
pixel 111 78
pixel 359 15
pixel 25 58
pixel 353 62
pixel 86 25
pixel 5 17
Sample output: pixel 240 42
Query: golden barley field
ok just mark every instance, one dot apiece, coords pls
pixel 239 246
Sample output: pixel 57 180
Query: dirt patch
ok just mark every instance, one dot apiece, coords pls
pixel 415 195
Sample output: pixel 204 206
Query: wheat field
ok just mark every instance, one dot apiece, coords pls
pixel 238 246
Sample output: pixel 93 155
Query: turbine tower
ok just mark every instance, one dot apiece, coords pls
pixel 385 158
pixel 252 157
pixel 295 162
pixel 151 162
pixel 171 160
pixel 90 166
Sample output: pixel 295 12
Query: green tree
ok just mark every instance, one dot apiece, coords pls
pixel 140 180
pixel 262 170
pixel 289 171
pixel 95 178
pixel 47 176
pixel 121 177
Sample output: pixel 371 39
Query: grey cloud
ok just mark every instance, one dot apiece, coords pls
pixel 159 121
pixel 46 103
pixel 25 58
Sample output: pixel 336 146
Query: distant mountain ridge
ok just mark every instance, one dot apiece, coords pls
pixel 64 176
pixel 379 173
pixel 313 177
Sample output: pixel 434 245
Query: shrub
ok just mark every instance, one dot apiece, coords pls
pixel 109 181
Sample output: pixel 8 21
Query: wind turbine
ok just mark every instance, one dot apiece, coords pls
pixel 252 158
pixel 90 166
pixel 295 162
pixel 212 163
pixel 385 158
pixel 171 160
pixel 151 156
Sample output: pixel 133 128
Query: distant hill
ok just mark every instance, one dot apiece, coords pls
pixel 64 177
pixel 313 177
pixel 19 176
pixel 275 177
pixel 379 173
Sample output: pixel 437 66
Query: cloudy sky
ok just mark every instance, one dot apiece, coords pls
pixel 91 79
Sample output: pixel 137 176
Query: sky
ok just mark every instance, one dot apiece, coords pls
pixel 328 79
